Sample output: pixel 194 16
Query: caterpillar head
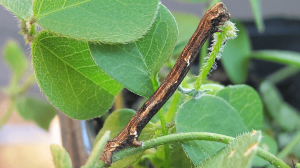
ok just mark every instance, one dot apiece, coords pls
pixel 218 14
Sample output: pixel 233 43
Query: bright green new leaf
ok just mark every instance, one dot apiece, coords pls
pixel 135 65
pixel 21 8
pixel 115 123
pixel 239 152
pixel 68 76
pixel 97 151
pixel 247 103
pixel 61 158
pixel 37 110
pixel 107 21
pixel 15 58
pixel 207 114
pixel 283 57
pixel 256 9
pixel 284 114
pixel 268 144
pixel 236 55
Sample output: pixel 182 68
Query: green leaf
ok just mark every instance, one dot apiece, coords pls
pixel 21 8
pixel 179 158
pixel 70 79
pixel 126 162
pixel 178 49
pixel 61 158
pixel 177 154
pixel 256 9
pixel 283 57
pixel 37 110
pixel 135 65
pixel 187 24
pixel 239 152
pixel 271 97
pixel 284 114
pixel 16 59
pixel 236 55
pixel 207 114
pixel 214 88
pixel 247 103
pixel 97 151
pixel 289 117
pixel 107 21
pixel 268 144
pixel 115 123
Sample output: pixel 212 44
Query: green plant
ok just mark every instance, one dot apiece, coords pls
pixel 28 107
pixel 88 50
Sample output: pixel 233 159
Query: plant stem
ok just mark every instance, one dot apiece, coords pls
pixel 119 103
pixel 219 37
pixel 271 158
pixel 172 109
pixel 289 147
pixel 203 53
pixel 283 73
pixel 155 84
pixel 180 137
pixel 8 113
pixel 29 81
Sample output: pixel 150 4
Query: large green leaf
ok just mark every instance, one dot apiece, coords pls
pixel 61 158
pixel 115 123
pixel 268 144
pixel 15 58
pixel 21 8
pixel 247 103
pixel 106 21
pixel 239 153
pixel 37 110
pixel 70 79
pixel 236 55
pixel 283 57
pixel 284 114
pixel 135 65
pixel 207 114
pixel 256 9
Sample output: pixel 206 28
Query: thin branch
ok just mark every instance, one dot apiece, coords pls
pixel 181 137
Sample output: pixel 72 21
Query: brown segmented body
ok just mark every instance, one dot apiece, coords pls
pixel 129 135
